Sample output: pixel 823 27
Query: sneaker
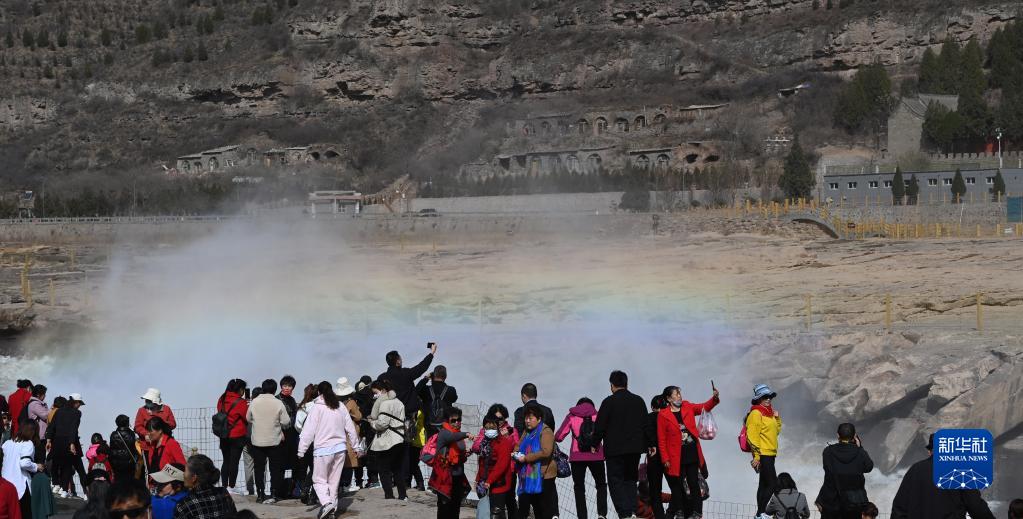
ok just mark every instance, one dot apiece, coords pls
pixel 352 488
pixel 373 485
pixel 270 501
pixel 260 499
pixel 421 488
pixel 64 494
pixel 326 511
pixel 236 491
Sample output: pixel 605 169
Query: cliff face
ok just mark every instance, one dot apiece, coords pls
pixel 316 60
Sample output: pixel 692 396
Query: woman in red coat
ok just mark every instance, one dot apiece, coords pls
pixel 162 447
pixel 679 446
pixel 233 403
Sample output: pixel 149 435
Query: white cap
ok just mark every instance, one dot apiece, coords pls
pixel 76 397
pixel 153 395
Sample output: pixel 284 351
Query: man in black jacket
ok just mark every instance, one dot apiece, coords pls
pixel 919 498
pixel 528 395
pixel 437 390
pixel 844 493
pixel 621 425
pixel 403 380
pixel 62 441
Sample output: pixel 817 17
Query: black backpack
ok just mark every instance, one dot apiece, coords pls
pixel 790 511
pixel 22 417
pixel 438 407
pixel 221 425
pixel 587 431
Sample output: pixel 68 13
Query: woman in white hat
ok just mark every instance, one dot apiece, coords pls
pixel 153 406
pixel 346 393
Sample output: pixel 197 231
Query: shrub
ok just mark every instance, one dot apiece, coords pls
pixel 635 200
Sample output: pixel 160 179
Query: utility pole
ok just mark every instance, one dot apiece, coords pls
pixel 998 133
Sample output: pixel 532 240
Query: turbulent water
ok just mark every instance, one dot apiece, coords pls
pixel 260 302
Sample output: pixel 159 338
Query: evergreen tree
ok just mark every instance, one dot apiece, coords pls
pixel 941 127
pixel 201 54
pixel 975 117
pixel 930 73
pixel 159 31
pixel 898 187
pixel 971 74
pixel 797 179
pixel 865 102
pixel 999 188
pixel 187 55
pixel 218 13
pixel 912 190
pixel 9 40
pixel 1004 59
pixel 958 187
pixel 27 40
pixel 62 39
pixel 105 37
pixel 207 24
pixel 950 61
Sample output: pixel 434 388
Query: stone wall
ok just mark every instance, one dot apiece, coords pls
pixel 985 214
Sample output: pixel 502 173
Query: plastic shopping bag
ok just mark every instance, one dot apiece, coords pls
pixel 706 427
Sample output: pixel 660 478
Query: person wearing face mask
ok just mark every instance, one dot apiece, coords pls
pixel 763 426
pixel 153 406
pixel 500 412
pixel 680 449
pixel 493 479
pixel 388 420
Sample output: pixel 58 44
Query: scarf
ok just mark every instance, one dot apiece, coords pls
pixel 456 450
pixel 530 474
pixel 766 412
pixel 485 460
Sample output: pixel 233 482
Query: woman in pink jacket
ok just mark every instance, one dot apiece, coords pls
pixel 329 429
pixel 586 454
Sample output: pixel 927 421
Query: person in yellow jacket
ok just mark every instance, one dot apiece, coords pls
pixel 763 425
pixel 415 449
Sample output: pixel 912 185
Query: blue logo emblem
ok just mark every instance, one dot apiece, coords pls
pixel 964 459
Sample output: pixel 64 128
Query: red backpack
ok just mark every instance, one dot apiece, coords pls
pixel 743 440
pixel 429 452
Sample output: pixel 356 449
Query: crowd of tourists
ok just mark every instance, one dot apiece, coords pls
pixel 336 439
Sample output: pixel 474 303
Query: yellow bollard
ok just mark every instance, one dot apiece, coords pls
pixel 809 311
pixel 980 312
pixel 978 230
pixel 888 312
